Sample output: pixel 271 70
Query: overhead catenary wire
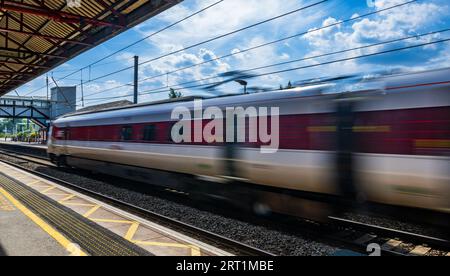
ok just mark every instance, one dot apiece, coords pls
pixel 213 39
pixel 353 18
pixel 331 53
pixel 340 22
pixel 159 31
pixel 216 38
pixel 136 42
pixel 152 91
pixel 235 31
pixel 314 57
pixel 201 43
pixel 151 35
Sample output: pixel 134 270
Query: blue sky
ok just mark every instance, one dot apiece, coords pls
pixel 412 19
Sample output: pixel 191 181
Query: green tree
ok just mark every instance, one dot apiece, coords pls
pixel 174 94
pixel 22 126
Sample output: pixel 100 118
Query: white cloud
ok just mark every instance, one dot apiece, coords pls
pixel 225 17
pixel 392 24
pixel 442 59
pixel 107 90
pixel 228 16
pixel 231 15
pixel 181 60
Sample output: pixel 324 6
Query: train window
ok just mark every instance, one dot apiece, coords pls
pixel 149 133
pixel 59 134
pixel 126 133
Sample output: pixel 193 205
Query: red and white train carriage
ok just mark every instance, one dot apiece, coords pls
pixel 389 145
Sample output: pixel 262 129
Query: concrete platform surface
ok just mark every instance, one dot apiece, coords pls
pixel 23 144
pixel 20 236
pixel 19 232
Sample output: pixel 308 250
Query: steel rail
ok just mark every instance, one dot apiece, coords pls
pixel 243 249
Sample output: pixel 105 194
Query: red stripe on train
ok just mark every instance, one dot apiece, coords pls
pixel 383 132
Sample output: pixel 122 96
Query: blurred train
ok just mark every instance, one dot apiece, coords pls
pixel 386 142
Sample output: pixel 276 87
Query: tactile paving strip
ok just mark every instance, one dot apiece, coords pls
pixel 94 239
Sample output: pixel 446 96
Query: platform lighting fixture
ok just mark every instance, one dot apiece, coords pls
pixel 243 83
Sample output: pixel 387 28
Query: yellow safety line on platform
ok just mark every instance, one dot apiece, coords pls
pixel 42 224
pixel 55 194
pixel 134 225
pixel 93 210
pixel 48 190
pixel 39 187
pixel 113 221
pixel 131 231
pixel 79 204
pixel 66 198
pixel 195 251
pixel 34 183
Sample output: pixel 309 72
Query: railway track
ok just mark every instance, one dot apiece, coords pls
pixel 356 236
pixel 223 242
pixel 377 232
pixel 379 240
pixel 25 157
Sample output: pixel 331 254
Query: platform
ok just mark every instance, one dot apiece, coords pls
pixel 23 144
pixel 39 217
pixel 20 236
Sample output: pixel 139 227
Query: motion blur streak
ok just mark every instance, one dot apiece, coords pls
pixel 385 141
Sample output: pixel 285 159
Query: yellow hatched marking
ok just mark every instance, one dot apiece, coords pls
pixel 131 231
pixel 40 187
pixel 113 221
pixel 66 198
pixel 34 183
pixel 56 194
pixel 42 224
pixel 93 210
pixel 195 251
pixel 48 189
pixel 79 204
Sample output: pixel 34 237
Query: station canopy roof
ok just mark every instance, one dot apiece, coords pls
pixel 36 36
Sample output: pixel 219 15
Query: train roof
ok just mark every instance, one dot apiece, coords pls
pixel 388 84
pixel 91 110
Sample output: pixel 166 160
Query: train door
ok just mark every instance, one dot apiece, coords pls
pixel 345 144
pixel 66 140
pixel 231 152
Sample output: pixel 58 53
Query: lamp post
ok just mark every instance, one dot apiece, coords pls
pixel 243 83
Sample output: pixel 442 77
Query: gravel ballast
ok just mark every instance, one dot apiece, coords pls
pixel 263 237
